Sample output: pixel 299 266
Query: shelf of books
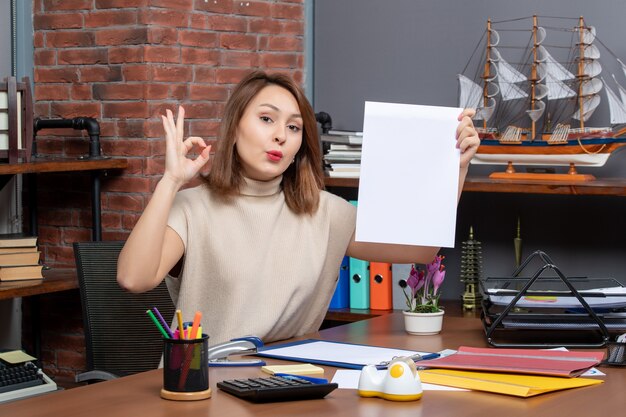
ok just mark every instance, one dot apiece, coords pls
pixel 19 258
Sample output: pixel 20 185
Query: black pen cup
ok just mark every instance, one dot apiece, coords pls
pixel 186 369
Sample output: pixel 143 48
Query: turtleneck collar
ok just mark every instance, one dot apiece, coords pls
pixel 261 188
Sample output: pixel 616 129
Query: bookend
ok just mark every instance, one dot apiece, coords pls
pixel 553 322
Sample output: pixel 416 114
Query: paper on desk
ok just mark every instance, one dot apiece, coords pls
pixel 16 356
pixel 339 354
pixel 349 379
pixel 409 175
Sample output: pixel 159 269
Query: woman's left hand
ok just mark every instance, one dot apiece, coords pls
pixel 466 137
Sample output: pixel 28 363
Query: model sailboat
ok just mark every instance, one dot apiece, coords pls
pixel 534 111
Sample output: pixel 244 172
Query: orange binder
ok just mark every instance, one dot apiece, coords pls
pixel 380 286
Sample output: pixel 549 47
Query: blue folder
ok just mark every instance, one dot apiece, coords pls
pixel 268 352
pixel 341 296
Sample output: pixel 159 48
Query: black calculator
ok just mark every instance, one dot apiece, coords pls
pixel 280 387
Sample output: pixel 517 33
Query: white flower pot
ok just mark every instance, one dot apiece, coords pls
pixel 423 323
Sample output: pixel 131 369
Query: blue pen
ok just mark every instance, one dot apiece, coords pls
pixel 306 378
pixel 162 320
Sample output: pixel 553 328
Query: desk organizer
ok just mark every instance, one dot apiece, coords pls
pixel 551 311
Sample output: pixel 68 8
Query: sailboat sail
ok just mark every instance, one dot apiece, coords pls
pixel 535 114
pixel 507 77
pixel 471 96
pixel 622 65
pixel 617 109
pixel 556 89
pixel 549 65
pixel 485 113
pixel 622 90
pixel 471 93
pixel 591 68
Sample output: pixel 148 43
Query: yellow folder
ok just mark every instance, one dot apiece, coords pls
pixel 510 384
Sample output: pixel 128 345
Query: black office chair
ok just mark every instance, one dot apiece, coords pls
pixel 120 338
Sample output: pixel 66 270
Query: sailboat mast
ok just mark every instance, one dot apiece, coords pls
pixel 581 69
pixel 533 76
pixel 487 70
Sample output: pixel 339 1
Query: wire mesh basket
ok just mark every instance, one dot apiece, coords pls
pixel 615 353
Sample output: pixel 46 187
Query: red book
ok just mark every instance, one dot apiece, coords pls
pixel 521 361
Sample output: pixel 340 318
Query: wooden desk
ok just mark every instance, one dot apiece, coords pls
pixel 138 395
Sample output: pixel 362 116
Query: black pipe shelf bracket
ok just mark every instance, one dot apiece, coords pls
pixel 89 124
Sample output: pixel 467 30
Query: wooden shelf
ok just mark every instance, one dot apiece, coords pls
pixel 62 165
pixel 54 280
pixel 605 186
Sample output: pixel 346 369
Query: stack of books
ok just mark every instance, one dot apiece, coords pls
pixel 19 257
pixel 342 153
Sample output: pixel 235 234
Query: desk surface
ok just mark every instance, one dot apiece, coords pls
pixel 138 395
pixel 55 280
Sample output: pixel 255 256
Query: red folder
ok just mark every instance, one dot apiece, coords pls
pixel 521 361
pixel 380 286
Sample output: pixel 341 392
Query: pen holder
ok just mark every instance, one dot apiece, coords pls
pixel 186 369
pixel 615 354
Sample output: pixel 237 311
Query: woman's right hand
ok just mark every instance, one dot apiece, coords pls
pixel 178 167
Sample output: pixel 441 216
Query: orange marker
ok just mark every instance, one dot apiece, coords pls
pixel 196 324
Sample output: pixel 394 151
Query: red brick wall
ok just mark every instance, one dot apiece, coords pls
pixel 124 62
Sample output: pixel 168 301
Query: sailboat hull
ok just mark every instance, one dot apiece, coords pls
pixel 586 152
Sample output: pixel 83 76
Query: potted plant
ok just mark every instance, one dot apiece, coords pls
pixel 424 316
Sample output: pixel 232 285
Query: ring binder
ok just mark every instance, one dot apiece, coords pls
pixel 556 309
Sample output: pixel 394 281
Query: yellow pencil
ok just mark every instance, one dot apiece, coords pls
pixel 181 329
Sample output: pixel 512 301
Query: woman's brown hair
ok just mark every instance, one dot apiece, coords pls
pixel 303 179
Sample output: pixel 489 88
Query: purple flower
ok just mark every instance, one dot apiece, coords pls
pixel 438 278
pixel 434 265
pixel 415 280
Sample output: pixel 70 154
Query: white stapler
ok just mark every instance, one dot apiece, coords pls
pixel 218 354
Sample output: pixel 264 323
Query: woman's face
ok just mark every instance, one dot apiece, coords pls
pixel 269 134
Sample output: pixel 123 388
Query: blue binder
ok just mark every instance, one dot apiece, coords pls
pixel 341 297
pixel 359 284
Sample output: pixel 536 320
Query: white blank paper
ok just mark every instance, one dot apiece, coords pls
pixel 349 379
pixel 409 175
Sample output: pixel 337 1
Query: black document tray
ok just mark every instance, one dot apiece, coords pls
pixel 551 311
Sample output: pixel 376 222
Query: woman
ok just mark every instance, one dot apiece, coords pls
pixel 257 248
